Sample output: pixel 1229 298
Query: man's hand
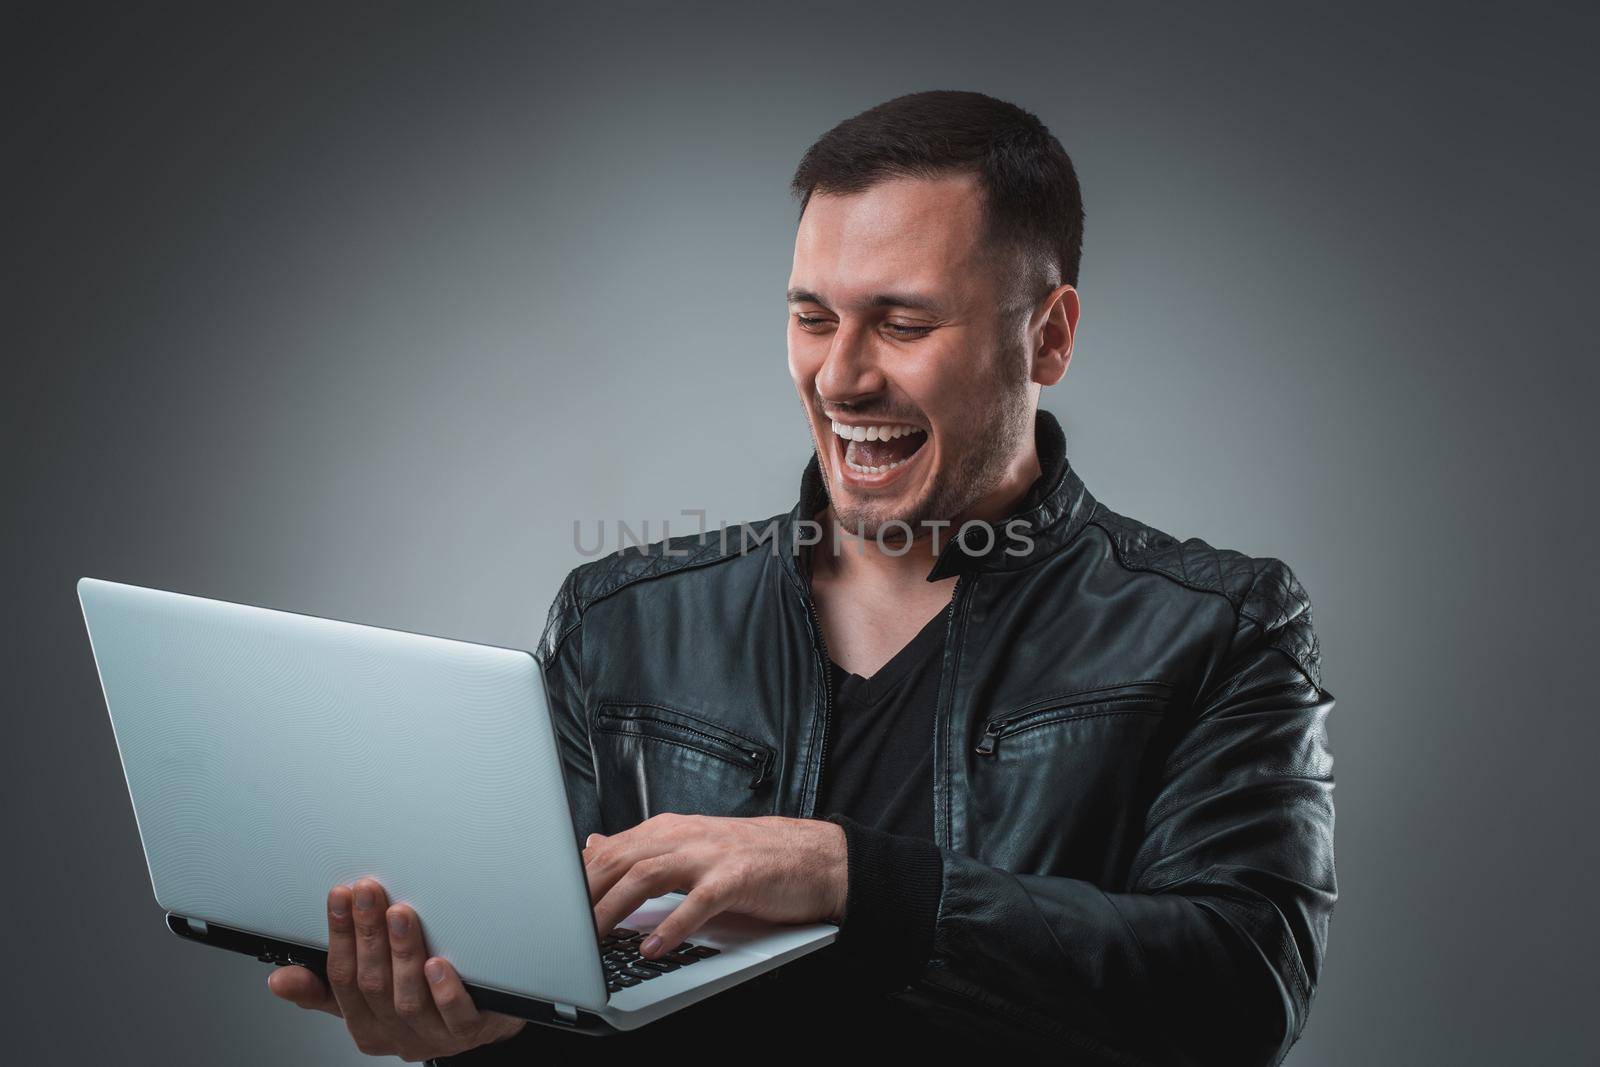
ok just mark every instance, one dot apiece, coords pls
pixel 394 999
pixel 782 870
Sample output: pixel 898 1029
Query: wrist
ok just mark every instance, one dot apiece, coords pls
pixel 487 1053
pixel 836 870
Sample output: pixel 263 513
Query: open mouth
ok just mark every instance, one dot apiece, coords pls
pixel 872 452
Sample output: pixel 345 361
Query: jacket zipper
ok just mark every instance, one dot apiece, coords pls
pixel 820 647
pixel 943 702
pixel 995 729
pixel 757 759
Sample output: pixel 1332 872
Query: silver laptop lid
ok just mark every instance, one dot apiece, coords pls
pixel 271 755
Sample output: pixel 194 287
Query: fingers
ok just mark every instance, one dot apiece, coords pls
pixel 302 988
pixel 374 975
pixel 703 903
pixel 450 998
pixel 413 1003
pixel 342 961
pixel 607 859
pixel 643 880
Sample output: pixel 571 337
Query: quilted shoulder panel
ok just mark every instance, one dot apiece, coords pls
pixel 600 578
pixel 1263 590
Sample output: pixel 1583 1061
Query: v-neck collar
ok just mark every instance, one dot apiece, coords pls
pixel 888 676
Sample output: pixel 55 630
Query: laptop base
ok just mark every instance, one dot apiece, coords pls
pixel 286 953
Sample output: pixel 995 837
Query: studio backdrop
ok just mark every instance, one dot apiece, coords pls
pixel 357 311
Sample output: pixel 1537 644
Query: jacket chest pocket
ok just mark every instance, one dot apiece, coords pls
pixel 651 759
pixel 1060 785
pixel 1135 698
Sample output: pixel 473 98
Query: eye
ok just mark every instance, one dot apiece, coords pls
pixel 808 321
pixel 901 330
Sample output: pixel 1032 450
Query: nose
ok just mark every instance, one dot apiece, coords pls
pixel 850 372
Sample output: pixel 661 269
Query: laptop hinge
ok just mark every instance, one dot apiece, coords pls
pixel 566 1013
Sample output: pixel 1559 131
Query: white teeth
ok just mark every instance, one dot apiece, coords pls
pixel 873 433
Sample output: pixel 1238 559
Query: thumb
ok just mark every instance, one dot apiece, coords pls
pixel 302 988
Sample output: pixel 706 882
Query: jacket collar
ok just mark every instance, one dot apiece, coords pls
pixel 1052 512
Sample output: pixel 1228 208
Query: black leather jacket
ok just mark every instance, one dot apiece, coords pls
pixel 1132 779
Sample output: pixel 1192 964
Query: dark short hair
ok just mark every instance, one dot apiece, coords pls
pixel 1032 203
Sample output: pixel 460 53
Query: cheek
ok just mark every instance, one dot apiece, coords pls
pixel 940 385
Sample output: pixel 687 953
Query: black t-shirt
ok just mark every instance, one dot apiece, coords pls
pixel 878 768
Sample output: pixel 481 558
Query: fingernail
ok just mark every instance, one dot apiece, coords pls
pixel 363 898
pixel 398 924
pixel 434 970
pixel 651 943
pixel 588 841
pixel 337 905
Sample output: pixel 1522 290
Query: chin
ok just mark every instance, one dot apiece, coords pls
pixel 854 512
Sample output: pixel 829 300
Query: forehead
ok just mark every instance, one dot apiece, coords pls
pixel 903 234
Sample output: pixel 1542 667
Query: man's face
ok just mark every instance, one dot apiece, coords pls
pixel 895 327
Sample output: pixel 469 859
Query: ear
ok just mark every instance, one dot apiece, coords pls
pixel 1052 335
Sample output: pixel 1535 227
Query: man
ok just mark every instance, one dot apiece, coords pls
pixel 1063 780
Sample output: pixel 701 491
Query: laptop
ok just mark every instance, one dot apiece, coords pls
pixel 271 755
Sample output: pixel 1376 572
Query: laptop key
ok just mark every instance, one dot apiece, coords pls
pixel 662 965
pixel 642 973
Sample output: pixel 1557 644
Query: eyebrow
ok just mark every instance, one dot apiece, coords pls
pixel 877 300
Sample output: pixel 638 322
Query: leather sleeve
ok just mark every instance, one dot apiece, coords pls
pixel 560 651
pixel 1211 950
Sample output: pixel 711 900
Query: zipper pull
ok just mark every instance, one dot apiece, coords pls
pixel 761 766
pixel 990 733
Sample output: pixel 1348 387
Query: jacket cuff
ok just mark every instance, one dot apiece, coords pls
pixel 891 904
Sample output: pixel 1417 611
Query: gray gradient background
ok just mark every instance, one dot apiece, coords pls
pixel 353 314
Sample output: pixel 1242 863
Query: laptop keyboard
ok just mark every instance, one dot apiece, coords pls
pixel 619 955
